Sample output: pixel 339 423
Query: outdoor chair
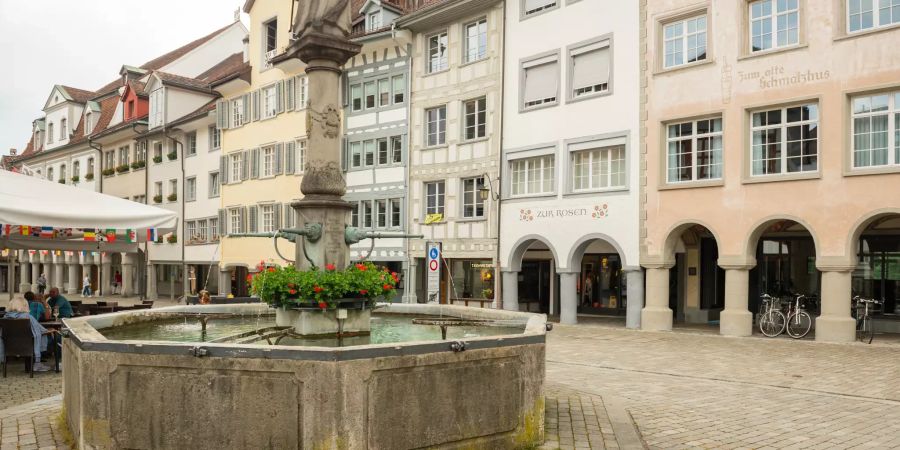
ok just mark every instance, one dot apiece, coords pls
pixel 75 303
pixel 17 341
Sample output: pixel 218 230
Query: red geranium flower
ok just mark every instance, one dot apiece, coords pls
pixel 317 289
pixel 292 291
pixel 271 269
pixel 249 278
pixel 323 305
pixel 361 267
pixel 363 292
pixel 395 277
pixel 329 266
pixel 387 287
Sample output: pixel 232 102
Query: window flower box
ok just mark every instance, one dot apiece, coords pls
pixel 108 172
pixel 172 156
pixel 123 168
pixel 89 176
pixel 62 181
pixel 157 199
pixel 172 239
pixel 157 159
pixel 138 165
pixel 172 197
pixel 356 287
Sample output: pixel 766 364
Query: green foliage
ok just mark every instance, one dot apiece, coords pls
pixel 89 176
pixel 172 156
pixel 123 168
pixel 157 159
pixel 157 199
pixel 320 288
pixel 75 178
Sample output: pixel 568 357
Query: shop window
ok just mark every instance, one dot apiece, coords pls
pixel 472 279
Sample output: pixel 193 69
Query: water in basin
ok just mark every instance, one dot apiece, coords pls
pixel 386 328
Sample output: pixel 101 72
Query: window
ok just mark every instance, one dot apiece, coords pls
pixel 373 21
pixel 124 155
pixel 157 189
pixel 369 88
pixel 50 133
pixel 214 184
pixel 395 215
pixel 381 213
pixel 600 168
pixel 397 149
pixel 475 117
pixel 190 189
pixel 694 150
pixel 156 108
pixel 63 129
pixel 382 145
pixel 213 227
pixel 215 138
pixel 90 165
pixel 873 117
pixel 269 101
pixel 355 154
pixel 540 84
pixel 157 150
pixel 234 219
pixel 302 92
pixel 399 85
pixel 473 205
pixel 50 174
pixel 301 155
pixel 267 218
pixel 268 161
pixel 235 160
pixel 191 230
pixel 369 149
pixel 437 52
pixel 785 140
pixel 685 41
pixel 475 41
pixel 774 24
pixel 861 14
pixel 140 199
pixel 62 172
pixel 434 197
pixel 140 151
pixel 191 143
pixel 384 92
pixel 88 123
pixel 270 29
pixel 173 187
pixel 532 175
pixel 436 126
pixel 201 230
pixel 589 72
pixel 110 162
pixel 535 6
pixel 367 214
pixel 356 97
pixel 237 112
pixel 354 215
pixel 130 108
pixel 76 169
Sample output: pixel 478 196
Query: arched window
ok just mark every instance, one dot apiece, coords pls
pixel 76 168
pixel 88 125
pixel 62 172
pixel 50 174
pixel 63 129
pixel 90 165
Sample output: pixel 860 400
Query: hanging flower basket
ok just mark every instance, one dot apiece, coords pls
pixel 356 287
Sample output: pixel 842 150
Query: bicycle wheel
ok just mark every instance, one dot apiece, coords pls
pixel 798 324
pixel 771 324
pixel 865 332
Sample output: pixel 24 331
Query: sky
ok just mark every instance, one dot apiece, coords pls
pixel 83 44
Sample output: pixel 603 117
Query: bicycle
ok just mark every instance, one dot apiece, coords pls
pixel 771 321
pixel 799 321
pixel 864 331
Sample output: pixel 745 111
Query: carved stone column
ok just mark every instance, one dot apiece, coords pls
pixel 24 271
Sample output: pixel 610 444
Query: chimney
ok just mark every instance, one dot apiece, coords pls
pixel 12 152
pixel 246 48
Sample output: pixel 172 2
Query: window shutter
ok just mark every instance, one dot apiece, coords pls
pixel 247 112
pixel 221 223
pixel 541 80
pixel 290 158
pixel 254 219
pixel 226 111
pixel 220 115
pixel 245 165
pixel 279 97
pixel 276 211
pixel 243 217
pixel 288 216
pixel 254 163
pixel 289 95
pixel 223 169
pixel 256 105
pixel 590 66
pixel 279 158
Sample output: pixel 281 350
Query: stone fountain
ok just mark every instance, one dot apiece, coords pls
pixel 476 391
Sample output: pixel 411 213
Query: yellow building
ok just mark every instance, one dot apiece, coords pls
pixel 262 118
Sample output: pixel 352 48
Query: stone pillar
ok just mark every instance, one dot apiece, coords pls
pixel 24 272
pixel 635 283
pixel 510 290
pixel 409 291
pixel 35 273
pixel 186 281
pixel 224 281
pixel 568 298
pixel 152 293
pixel 657 316
pixel 74 284
pixel 736 319
pixel 105 286
pixel 59 274
pixel 835 324
pixel 127 287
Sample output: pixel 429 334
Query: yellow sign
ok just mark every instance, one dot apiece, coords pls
pixel 433 218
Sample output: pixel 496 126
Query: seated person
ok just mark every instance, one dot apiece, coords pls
pixel 19 309
pixel 37 306
pixel 58 301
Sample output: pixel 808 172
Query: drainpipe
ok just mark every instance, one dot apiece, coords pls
pixel 498 285
pixel 99 149
pixel 183 228
pixel 143 289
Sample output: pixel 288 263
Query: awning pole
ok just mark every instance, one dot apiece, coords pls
pixel 10 273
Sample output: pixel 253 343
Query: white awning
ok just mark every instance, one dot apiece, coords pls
pixel 34 201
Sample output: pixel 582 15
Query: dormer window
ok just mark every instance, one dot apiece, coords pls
pixel 63 129
pixel 270 40
pixel 130 109
pixel 88 123
pixel 156 108
pixel 373 21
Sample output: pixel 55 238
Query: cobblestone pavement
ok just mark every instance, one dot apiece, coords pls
pixel 32 426
pixel 17 388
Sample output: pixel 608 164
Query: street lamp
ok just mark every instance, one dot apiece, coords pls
pixel 487 189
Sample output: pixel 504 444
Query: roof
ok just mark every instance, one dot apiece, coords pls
pixel 228 66
pixel 183 82
pixel 77 95
pixel 200 112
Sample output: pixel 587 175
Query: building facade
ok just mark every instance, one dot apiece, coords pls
pixel 454 148
pixel 569 216
pixel 779 177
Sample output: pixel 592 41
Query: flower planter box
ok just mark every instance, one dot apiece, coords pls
pixel 157 159
pixel 324 322
pixel 172 156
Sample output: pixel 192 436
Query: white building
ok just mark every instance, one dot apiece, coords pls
pixel 570 170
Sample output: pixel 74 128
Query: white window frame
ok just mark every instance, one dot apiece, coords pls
pixel 395 206
pixel 599 156
pixel 575 93
pixel 893 129
pixel 373 21
pixel 269 101
pixel 876 11
pixel 357 97
pixel 215 138
pixel 302 87
pixel 266 218
pixel 548 6
pixel 215 184
pixel 440 61
pixel 301 155
pixel 684 38
pixel 440 124
pixel 439 195
pixel 190 189
pixel 475 51
pixel 783 126
pixel 234 167
pixel 191 143
pixel 237 112
pixel 694 138
pixel 773 18
pixel 531 63
pixel 471 197
pixel 267 161
pixel 522 168
pixel 356 155
pixel 475 120
pixel 234 221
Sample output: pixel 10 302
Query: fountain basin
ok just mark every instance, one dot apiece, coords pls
pixel 312 322
pixel 479 392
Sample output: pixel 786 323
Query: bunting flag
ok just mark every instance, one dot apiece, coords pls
pixel 58 253
pixel 44 252
pixel 110 235
pixel 46 232
pixel 64 232
pixel 89 235
pixel 4 230
pixel 151 234
pixel 26 230
pixel 131 235
pixel 36 231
